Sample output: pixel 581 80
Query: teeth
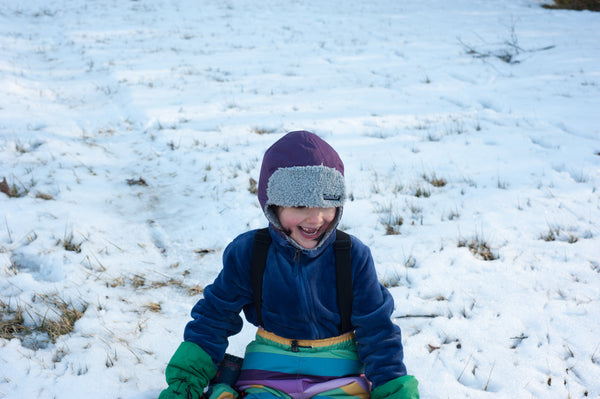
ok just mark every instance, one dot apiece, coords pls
pixel 309 231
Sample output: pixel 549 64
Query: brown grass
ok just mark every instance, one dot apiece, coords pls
pixel 263 130
pixel 66 314
pixel 434 180
pixel 59 320
pixel 253 186
pixel 592 5
pixel 154 307
pixel 12 321
pixel 68 244
pixel 479 247
pixel 12 190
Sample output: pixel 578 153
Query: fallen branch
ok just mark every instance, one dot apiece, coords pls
pixel 507 54
pixel 408 316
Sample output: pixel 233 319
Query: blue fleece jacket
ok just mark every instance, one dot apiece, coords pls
pixel 299 302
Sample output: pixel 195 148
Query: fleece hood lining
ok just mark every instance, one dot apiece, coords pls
pixel 311 186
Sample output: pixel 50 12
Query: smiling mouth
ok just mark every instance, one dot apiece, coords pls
pixel 309 232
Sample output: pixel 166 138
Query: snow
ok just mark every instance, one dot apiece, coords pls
pixel 98 97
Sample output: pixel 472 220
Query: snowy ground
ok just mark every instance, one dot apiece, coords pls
pixel 436 130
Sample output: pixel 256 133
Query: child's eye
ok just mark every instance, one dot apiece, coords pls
pixel 300 207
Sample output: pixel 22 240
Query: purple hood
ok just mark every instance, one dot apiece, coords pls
pixel 301 169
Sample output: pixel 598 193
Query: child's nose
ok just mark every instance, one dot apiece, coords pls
pixel 315 215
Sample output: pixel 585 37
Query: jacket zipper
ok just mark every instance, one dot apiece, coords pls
pixel 297 257
pixel 304 292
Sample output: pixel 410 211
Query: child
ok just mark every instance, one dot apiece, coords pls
pixel 299 350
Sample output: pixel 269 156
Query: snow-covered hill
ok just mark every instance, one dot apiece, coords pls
pixel 130 132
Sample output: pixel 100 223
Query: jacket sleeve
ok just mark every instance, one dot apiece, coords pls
pixel 216 316
pixel 379 339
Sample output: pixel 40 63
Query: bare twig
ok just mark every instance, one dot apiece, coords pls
pixel 489 377
pixel 507 54
pixel 464 368
pixel 10 240
pixel 408 316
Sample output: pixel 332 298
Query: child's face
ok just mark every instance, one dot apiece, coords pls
pixel 305 225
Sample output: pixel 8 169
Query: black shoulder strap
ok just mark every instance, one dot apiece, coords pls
pixel 343 269
pixel 262 240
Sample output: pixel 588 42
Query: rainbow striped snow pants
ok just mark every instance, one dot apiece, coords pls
pixel 276 367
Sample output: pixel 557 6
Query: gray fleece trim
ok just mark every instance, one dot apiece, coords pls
pixel 312 186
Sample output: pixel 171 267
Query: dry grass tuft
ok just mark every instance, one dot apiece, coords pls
pixel 253 186
pixel 137 182
pixel 11 321
pixel 66 314
pixel 434 180
pixel 422 192
pixel 479 247
pixel 44 196
pixel 263 130
pixel 203 251
pixel 555 233
pixel 550 235
pixel 12 190
pixel 390 219
pixel 68 244
pixel 195 290
pixel 59 319
pixel 391 230
pixel 140 282
pixel 154 307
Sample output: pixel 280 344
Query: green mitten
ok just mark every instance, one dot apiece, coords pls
pixel 188 372
pixel 404 387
